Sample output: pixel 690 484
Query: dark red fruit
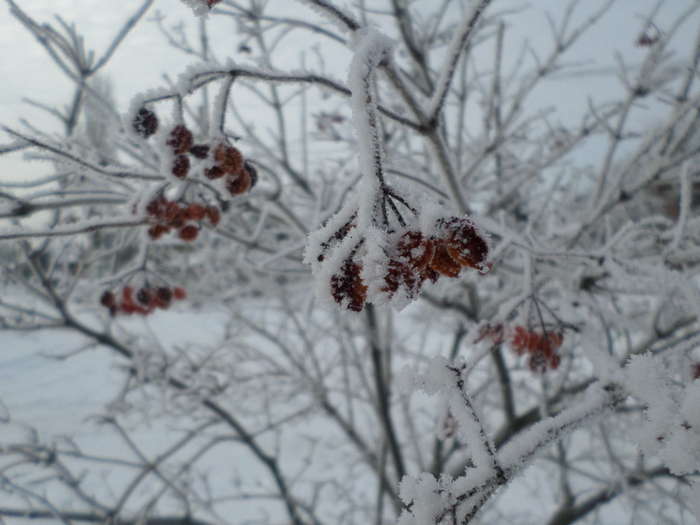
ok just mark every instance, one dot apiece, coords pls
pixel 180 139
pixel 164 295
pixel 181 166
pixel 239 184
pixel 145 123
pixel 200 151
pixel 463 242
pixel 213 214
pixel 228 159
pixel 215 172
pixel 188 233
pixel 348 288
pixel 107 299
pixel 143 296
pixel 179 293
pixel 195 212
pixel 442 263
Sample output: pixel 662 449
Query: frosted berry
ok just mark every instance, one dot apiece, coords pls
pixel 239 184
pixel 181 165
pixel 215 172
pixel 228 159
pixel 348 288
pixel 145 123
pixel 443 263
pixel 463 242
pixel 180 139
pixel 195 212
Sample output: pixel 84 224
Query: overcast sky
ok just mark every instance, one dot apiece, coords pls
pixel 142 60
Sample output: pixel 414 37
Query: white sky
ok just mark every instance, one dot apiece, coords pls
pixel 140 62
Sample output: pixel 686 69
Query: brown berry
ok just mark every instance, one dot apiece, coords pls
pixel 348 288
pixel 164 294
pixel 195 212
pixel 239 184
pixel 215 172
pixel 443 263
pixel 213 214
pixel 107 299
pixel 199 151
pixel 145 123
pixel 181 165
pixel 228 159
pixel 463 241
pixel 180 139
pixel 188 233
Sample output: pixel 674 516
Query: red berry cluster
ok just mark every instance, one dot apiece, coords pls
pixel 413 259
pixel 168 215
pixel 143 302
pixel 541 348
pixel 238 174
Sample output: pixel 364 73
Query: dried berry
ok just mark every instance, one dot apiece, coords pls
pixel 195 212
pixel 347 287
pixel 145 123
pixel 188 233
pixel 179 293
pixel 238 184
pixel 415 250
pixel 181 165
pixel 215 172
pixel 463 242
pixel 128 294
pixel 164 295
pixel 199 151
pixel 107 299
pixel 180 139
pixel 541 348
pixel 143 296
pixel 213 214
pixel 229 159
pixel 443 263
